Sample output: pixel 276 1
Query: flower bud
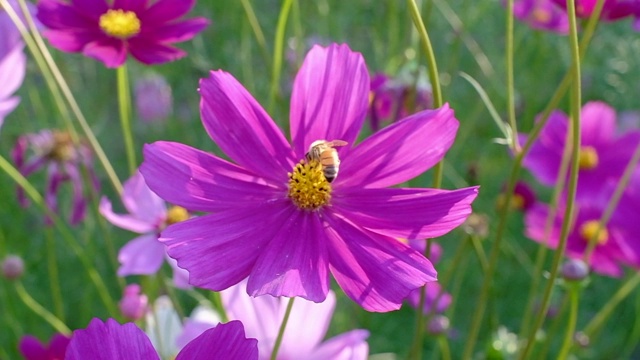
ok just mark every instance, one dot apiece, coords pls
pixel 575 270
pixel 438 325
pixel 133 304
pixel 12 267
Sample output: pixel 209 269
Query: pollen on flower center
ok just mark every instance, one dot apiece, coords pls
pixel 63 149
pixel 588 231
pixel 176 214
pixel 588 158
pixel 541 15
pixel 119 23
pixel 308 188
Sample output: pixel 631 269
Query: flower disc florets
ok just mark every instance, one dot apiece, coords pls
pixel 588 231
pixel 308 188
pixel 119 23
pixel 588 158
pixel 62 149
pixel 176 214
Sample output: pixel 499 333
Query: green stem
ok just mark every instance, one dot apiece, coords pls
pixel 416 349
pixel 283 326
pixel 278 48
pixel 54 278
pixel 605 312
pixel 511 106
pixel 443 344
pixel 124 105
pixel 257 30
pixel 32 304
pixel 216 299
pixel 634 336
pixel 574 295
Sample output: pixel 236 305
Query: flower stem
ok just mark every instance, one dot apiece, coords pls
pixel 443 344
pixel 599 319
pixel 216 299
pixel 416 349
pixel 54 278
pixel 573 177
pixel 278 48
pixel 32 304
pixel 257 30
pixel 124 105
pixel 283 326
pixel 574 295
pixel 511 107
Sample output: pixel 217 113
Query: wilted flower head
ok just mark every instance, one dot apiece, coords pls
pixel 56 151
pixel 108 31
pixel 541 15
pixel 153 98
pixel 12 267
pixel 148 215
pixel 276 219
pixel 110 340
pixel 32 349
pixel 134 303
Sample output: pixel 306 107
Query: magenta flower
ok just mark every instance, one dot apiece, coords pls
pixel 612 9
pixel 108 31
pixel 542 15
pixel 32 349
pixel 148 215
pixel 62 158
pixel 13 65
pixel 603 155
pixel 277 220
pixel 112 341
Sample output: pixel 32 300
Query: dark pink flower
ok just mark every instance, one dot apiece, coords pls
pixel 32 349
pixel 108 31
pixel 274 216
pixel 612 9
pixel 542 15
pixel 112 341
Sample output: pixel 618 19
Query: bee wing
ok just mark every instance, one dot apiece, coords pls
pixel 335 143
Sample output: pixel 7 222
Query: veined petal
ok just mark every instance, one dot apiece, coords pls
pixel 294 262
pixel 351 345
pixel 163 11
pixel 200 181
pixel 110 341
pixel 219 250
pixel 242 129
pixel 109 51
pixel 141 256
pixel 330 98
pixel 181 31
pixel 128 222
pixel 141 202
pixel 406 213
pixel 223 342
pixel 149 52
pixel 543 159
pixel 400 151
pixel 597 123
pixel 375 271
pixel 58 15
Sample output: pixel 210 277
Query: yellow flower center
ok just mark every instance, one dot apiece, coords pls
pixel 541 15
pixel 308 188
pixel 119 23
pixel 588 231
pixel 588 158
pixel 63 149
pixel 517 202
pixel 176 214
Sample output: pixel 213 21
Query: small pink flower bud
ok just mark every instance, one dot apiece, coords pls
pixel 12 267
pixel 438 325
pixel 575 270
pixel 133 304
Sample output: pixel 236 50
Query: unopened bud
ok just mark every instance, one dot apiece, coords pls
pixel 133 304
pixel 575 270
pixel 12 267
pixel 438 325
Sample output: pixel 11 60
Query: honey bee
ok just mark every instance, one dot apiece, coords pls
pixel 323 152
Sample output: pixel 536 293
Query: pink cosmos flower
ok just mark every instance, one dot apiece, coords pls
pixel 112 341
pixel 603 154
pixel 13 65
pixel 276 219
pixel 612 9
pixel 108 31
pixel 542 15
pixel 148 215
pixel 62 158
pixel 32 349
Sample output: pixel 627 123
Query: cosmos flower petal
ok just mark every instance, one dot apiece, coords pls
pixel 180 275
pixel 294 262
pixel 128 222
pixel 69 40
pixel 201 181
pixel 112 52
pixel 375 271
pixel 141 256
pixel 597 123
pixel 58 345
pixel 148 52
pixel 31 348
pixel 232 117
pixel 351 345
pixel 295 342
pixel 330 97
pixel 55 14
pixel 535 224
pixel 7 106
pixel 407 213
pixel 141 202
pixel 110 341
pixel 400 151
pixel 545 155
pixel 136 6
pixel 92 9
pixel 12 71
pixel 181 31
pixel 232 239
pixel 163 11
pixel 223 342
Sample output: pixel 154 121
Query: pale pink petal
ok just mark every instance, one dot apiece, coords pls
pixel 330 97
pixel 180 275
pixel 597 124
pixel 148 51
pixel 223 342
pixel 375 271
pixel 110 51
pixel 128 222
pixel 294 262
pixel 242 129
pixel 141 256
pixel 12 70
pixel 351 345
pixel 141 202
pixel 220 249
pixel 406 213
pixel 400 151
pixel 199 181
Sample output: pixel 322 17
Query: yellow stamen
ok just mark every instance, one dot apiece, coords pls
pixel 541 15
pixel 308 188
pixel 119 23
pixel 517 202
pixel 63 149
pixel 176 214
pixel 588 231
pixel 588 158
